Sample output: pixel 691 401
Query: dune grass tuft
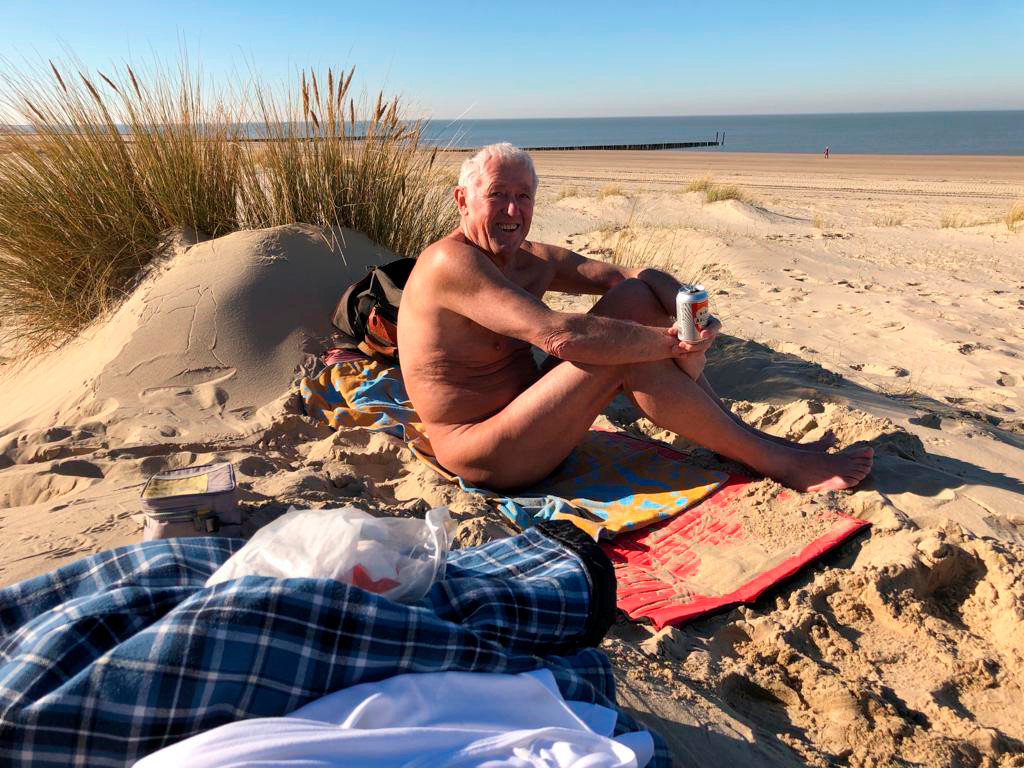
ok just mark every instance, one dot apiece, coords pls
pixel 1015 215
pixel 699 185
pixel 717 192
pixel 714 192
pixel 611 190
pixel 952 220
pixel 567 192
pixel 889 220
pixel 108 163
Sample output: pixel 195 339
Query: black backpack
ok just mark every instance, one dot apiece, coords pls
pixel 367 312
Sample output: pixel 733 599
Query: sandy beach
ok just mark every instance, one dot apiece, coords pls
pixel 879 297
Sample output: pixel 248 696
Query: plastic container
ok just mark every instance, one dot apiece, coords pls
pixel 195 501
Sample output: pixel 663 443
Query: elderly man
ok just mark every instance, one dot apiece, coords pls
pixel 472 309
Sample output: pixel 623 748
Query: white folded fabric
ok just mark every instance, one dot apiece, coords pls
pixel 449 719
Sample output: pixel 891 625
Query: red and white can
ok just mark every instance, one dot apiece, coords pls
pixel 692 313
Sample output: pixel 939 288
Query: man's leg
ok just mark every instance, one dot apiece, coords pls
pixel 527 439
pixel 771 455
pixel 823 443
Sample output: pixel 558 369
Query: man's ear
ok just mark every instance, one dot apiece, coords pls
pixel 460 200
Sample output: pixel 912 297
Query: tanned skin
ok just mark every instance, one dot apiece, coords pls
pixel 472 309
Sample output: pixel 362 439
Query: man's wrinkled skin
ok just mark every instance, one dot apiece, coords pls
pixel 472 309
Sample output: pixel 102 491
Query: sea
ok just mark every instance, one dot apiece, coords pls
pixel 883 133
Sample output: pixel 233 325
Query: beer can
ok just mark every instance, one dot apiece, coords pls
pixel 692 313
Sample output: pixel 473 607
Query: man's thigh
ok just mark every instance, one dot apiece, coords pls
pixel 534 433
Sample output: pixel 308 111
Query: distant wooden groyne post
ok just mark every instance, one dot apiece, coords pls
pixel 639 147
pixel 642 147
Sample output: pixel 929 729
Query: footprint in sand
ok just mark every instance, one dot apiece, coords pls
pixel 796 274
pixel 849 309
pixel 77 468
pixel 881 370
pixel 1007 380
pixel 55 434
pixel 971 347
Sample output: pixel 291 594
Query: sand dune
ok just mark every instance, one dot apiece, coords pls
pixel 906 644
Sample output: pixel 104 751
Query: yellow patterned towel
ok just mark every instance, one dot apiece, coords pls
pixel 612 482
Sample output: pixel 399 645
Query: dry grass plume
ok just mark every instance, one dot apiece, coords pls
pixel 1015 215
pixel 110 161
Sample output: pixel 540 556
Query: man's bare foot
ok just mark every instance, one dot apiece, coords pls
pixel 821 445
pixel 813 472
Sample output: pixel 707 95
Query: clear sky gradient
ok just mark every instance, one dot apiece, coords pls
pixel 480 59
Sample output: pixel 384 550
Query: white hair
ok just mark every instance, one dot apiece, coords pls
pixel 505 152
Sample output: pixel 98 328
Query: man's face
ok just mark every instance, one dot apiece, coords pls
pixel 497 209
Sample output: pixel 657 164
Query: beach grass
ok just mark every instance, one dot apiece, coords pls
pixel 1015 215
pixel 718 192
pixel 698 185
pixel 611 190
pixel 952 220
pixel 889 220
pixel 567 192
pixel 109 163
pixel 714 192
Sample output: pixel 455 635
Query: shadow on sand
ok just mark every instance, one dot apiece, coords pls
pixel 746 370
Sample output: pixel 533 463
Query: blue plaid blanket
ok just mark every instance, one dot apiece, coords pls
pixel 115 656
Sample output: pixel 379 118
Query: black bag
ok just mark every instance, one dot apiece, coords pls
pixel 367 312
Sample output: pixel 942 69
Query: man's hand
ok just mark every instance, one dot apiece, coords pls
pixel 689 355
pixel 707 338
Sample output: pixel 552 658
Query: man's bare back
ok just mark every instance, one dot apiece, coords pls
pixel 472 310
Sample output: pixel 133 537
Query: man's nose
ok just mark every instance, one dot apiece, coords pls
pixel 512 207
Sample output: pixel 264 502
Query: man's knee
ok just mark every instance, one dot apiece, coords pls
pixel 633 299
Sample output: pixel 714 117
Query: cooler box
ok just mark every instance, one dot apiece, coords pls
pixel 195 501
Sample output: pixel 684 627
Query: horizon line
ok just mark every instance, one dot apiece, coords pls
pixel 724 114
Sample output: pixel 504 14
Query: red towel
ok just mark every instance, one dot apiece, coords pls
pixel 655 567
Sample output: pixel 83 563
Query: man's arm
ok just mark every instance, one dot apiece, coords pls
pixel 578 274
pixel 574 273
pixel 467 283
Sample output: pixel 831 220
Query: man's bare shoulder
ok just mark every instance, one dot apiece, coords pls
pixel 450 257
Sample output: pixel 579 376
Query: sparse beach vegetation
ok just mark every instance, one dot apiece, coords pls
pixel 107 163
pixel 698 185
pixel 1015 215
pixel 611 190
pixel 889 220
pixel 714 192
pixel 568 191
pixel 717 192
pixel 952 220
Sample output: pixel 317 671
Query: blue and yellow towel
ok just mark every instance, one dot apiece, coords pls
pixel 612 482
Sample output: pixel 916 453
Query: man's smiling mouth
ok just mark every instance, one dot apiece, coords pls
pixel 508 227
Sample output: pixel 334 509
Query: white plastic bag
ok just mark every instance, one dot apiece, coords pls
pixel 398 558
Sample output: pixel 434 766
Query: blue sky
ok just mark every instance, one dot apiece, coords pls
pixel 550 59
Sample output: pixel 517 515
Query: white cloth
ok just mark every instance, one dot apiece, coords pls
pixel 450 719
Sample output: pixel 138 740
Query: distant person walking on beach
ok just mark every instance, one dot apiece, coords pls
pixel 826 152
